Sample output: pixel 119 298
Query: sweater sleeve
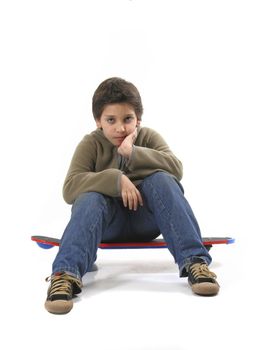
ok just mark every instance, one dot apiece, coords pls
pixel 154 154
pixel 82 177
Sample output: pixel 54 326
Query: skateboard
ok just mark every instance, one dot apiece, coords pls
pixel 49 242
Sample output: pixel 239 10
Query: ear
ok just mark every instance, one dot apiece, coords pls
pixel 138 123
pixel 98 123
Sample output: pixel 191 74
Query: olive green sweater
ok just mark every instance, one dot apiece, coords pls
pixel 97 166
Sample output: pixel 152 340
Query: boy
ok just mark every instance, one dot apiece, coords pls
pixel 123 182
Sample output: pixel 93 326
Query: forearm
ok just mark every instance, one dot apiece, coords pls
pixel 147 158
pixel 106 182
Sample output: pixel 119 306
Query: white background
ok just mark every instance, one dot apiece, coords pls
pixel 195 64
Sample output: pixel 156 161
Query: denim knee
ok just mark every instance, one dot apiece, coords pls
pixel 90 200
pixel 161 178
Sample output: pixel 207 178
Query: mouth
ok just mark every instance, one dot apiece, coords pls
pixel 120 138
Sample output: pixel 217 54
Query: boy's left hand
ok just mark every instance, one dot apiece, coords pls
pixel 125 148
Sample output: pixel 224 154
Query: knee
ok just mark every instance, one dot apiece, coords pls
pixel 162 180
pixel 160 176
pixel 89 200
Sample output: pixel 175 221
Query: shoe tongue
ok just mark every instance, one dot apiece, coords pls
pixel 198 261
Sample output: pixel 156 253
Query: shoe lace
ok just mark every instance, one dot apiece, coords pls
pixel 63 284
pixel 202 271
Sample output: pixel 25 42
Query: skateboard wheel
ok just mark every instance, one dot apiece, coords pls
pixel 44 245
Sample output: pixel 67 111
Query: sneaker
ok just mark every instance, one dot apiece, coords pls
pixel 202 280
pixel 61 291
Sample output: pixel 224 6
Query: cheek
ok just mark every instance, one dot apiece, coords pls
pixel 108 133
pixel 131 128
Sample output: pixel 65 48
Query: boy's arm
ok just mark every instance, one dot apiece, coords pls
pixel 81 176
pixel 151 153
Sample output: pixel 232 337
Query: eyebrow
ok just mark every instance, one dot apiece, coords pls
pixel 114 116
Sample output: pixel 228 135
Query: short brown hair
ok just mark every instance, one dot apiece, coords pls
pixel 116 90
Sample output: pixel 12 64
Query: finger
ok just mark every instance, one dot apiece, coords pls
pixel 140 199
pixel 124 199
pixel 130 200
pixel 134 136
pixel 135 201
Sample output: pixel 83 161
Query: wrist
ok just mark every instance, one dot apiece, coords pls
pixel 128 152
pixel 125 151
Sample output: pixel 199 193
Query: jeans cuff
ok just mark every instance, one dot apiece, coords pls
pixel 68 271
pixel 183 269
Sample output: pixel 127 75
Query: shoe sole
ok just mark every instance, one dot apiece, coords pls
pixel 205 288
pixel 59 307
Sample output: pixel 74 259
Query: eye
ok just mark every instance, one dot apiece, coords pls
pixel 110 120
pixel 128 119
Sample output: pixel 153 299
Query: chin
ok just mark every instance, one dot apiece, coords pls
pixel 116 143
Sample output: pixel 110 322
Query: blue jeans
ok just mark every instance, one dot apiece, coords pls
pixel 98 218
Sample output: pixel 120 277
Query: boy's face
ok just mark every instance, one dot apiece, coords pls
pixel 118 120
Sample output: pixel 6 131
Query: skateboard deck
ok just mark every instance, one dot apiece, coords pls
pixel 49 242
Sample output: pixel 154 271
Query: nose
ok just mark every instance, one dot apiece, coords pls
pixel 120 127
